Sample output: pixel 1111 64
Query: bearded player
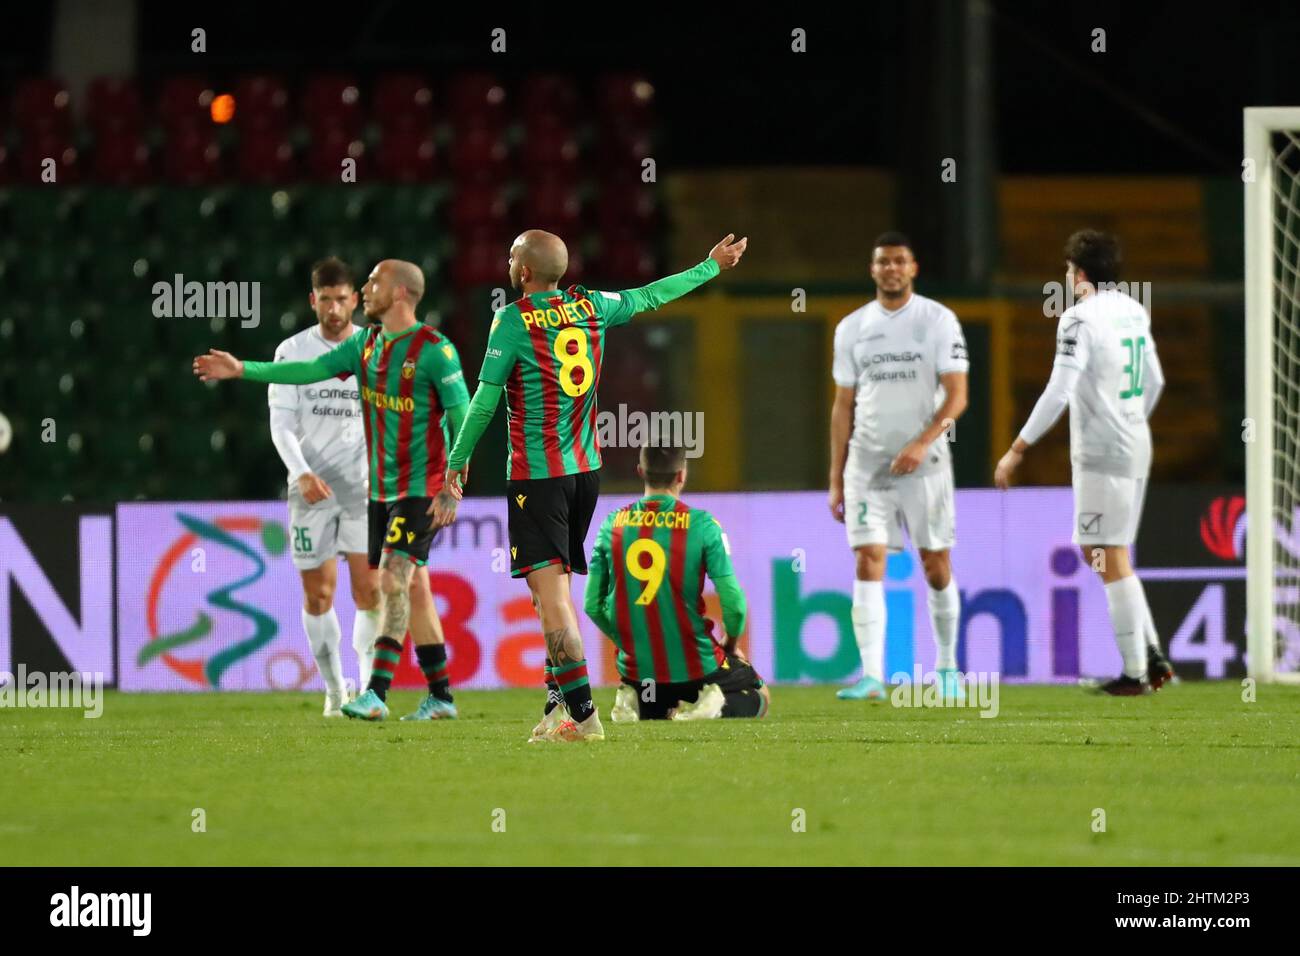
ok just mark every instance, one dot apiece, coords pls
pixel 900 384
pixel 1108 373
pixel 411 387
pixel 644 593
pixel 544 352
pixel 320 438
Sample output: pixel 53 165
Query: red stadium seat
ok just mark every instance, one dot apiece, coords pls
pixel 113 104
pixel 548 144
pixel 552 205
pixel 407 155
pixel 330 145
pixel 480 262
pixel 621 151
pixel 480 209
pixel 265 157
pixel 479 154
pixel 192 157
pixel 627 261
pixel 403 101
pixel 476 99
pixel 332 100
pixel 43 105
pixel 625 97
pixel 186 101
pixel 49 144
pixel 122 159
pixel 627 205
pixel 7 171
pixel 261 101
pixel 550 94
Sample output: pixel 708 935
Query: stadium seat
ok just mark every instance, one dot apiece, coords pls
pixel 37 212
pixel 548 146
pixel 550 94
pixel 265 156
pixel 476 99
pixel 480 209
pixel 479 262
pixel 628 261
pixel 332 100
pixel 262 213
pixel 113 105
pixel 121 158
pixel 185 102
pixel 398 206
pixel 41 145
pixel 403 101
pixel 43 105
pixel 407 155
pixel 627 206
pixel 621 150
pixel 625 97
pixel 261 102
pixel 330 145
pixel 552 205
pixel 338 206
pixel 479 154
pixel 115 215
pixel 192 157
pixel 185 213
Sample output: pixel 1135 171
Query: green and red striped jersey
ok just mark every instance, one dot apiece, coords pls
pixel 406 382
pixel 651 558
pixel 546 351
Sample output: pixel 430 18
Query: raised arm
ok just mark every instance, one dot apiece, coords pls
pixel 218 365
pixel 619 307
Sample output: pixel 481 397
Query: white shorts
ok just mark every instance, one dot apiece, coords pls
pixel 921 505
pixel 1107 508
pixel 320 532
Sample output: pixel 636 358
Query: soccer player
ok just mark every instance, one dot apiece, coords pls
pixel 412 387
pixel 900 384
pixel 644 593
pixel 544 351
pixel 319 436
pixel 1107 372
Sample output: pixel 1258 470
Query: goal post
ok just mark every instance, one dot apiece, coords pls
pixel 1271 177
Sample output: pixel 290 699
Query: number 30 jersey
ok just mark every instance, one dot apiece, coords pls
pixel 546 351
pixel 1107 337
pixel 653 556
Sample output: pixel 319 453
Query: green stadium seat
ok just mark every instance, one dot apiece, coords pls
pixel 41 212
pixel 129 333
pixel 43 273
pixel 120 274
pixel 396 207
pixel 262 212
pixel 116 215
pixel 187 213
pixel 342 207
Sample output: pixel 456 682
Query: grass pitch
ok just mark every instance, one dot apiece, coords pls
pixel 1191 776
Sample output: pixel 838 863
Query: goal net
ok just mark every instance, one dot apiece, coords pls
pixel 1271 176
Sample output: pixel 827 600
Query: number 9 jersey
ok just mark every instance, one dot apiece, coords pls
pixel 546 350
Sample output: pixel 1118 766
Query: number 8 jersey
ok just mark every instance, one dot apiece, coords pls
pixel 546 350
pixel 1107 337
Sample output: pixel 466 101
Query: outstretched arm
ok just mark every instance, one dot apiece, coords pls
pixel 629 302
pixel 218 365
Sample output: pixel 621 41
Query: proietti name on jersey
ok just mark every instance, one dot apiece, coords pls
pixel 567 314
pixel 653 519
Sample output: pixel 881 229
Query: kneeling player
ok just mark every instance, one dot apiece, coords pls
pixel 647 572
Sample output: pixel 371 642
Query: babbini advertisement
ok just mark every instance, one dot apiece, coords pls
pixel 208 597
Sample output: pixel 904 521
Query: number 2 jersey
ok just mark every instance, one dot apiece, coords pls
pixel 647 583
pixel 1107 337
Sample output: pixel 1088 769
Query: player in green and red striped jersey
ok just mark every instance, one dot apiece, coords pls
pixel 544 352
pixel 645 593
pixel 412 388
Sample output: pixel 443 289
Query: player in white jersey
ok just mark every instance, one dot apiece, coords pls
pixel 900 384
pixel 1108 373
pixel 318 431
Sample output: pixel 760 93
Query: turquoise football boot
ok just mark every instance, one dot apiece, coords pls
pixel 867 688
pixel 950 684
pixel 366 707
pixel 433 708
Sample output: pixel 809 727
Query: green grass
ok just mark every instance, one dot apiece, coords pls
pixel 1191 776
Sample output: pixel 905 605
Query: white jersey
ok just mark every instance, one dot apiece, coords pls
pixel 894 360
pixel 330 428
pixel 1107 337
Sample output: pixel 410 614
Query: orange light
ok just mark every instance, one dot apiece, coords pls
pixel 223 108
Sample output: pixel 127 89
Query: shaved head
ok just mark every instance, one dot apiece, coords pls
pixel 542 254
pixel 380 290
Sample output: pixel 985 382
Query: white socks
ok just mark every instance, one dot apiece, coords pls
pixel 365 630
pixel 869 626
pixel 1129 617
pixel 945 616
pixel 324 635
pixel 1149 626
